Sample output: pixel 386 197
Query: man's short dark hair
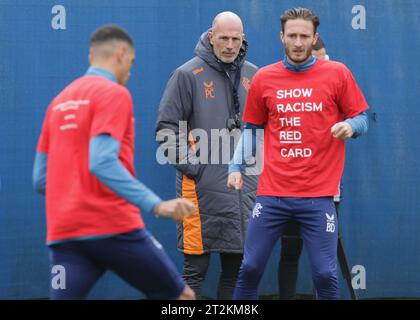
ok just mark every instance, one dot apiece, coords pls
pixel 110 32
pixel 299 13
pixel 319 44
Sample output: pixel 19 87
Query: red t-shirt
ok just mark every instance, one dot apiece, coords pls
pixel 301 157
pixel 77 203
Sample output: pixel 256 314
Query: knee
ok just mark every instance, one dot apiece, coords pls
pixel 250 270
pixel 195 266
pixel 325 277
pixel 326 284
pixel 195 273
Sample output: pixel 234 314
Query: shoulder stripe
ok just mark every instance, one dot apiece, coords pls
pixel 197 71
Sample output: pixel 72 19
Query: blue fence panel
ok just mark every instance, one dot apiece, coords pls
pixel 379 220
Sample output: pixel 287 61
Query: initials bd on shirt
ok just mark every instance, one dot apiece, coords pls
pixel 301 157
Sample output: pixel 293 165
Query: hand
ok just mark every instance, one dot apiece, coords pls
pixel 176 209
pixel 235 181
pixel 342 130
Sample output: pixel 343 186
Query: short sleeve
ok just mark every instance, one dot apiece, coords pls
pixel 112 114
pixel 350 98
pixel 255 111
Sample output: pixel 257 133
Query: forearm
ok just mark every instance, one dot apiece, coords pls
pixel 105 165
pixel 39 172
pixel 246 148
pixel 359 124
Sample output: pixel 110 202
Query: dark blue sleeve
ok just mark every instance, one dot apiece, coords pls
pixel 105 165
pixel 39 172
pixel 246 147
pixel 359 124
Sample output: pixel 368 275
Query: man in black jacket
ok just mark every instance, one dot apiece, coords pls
pixel 203 102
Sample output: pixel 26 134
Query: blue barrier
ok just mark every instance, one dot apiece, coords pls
pixel 43 49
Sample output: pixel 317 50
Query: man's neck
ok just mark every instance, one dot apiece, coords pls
pixel 104 66
pixel 299 67
pixel 298 63
pixel 102 70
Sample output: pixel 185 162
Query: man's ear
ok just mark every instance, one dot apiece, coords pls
pixel 210 36
pixel 315 38
pixel 282 37
pixel 120 52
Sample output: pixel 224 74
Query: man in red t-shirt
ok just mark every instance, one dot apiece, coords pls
pixel 303 104
pixel 85 167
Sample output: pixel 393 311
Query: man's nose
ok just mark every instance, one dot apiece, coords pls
pixel 298 42
pixel 229 44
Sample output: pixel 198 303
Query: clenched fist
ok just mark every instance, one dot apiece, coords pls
pixel 342 130
pixel 235 181
pixel 176 209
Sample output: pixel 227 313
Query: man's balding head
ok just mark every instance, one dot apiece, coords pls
pixel 226 36
pixel 227 19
